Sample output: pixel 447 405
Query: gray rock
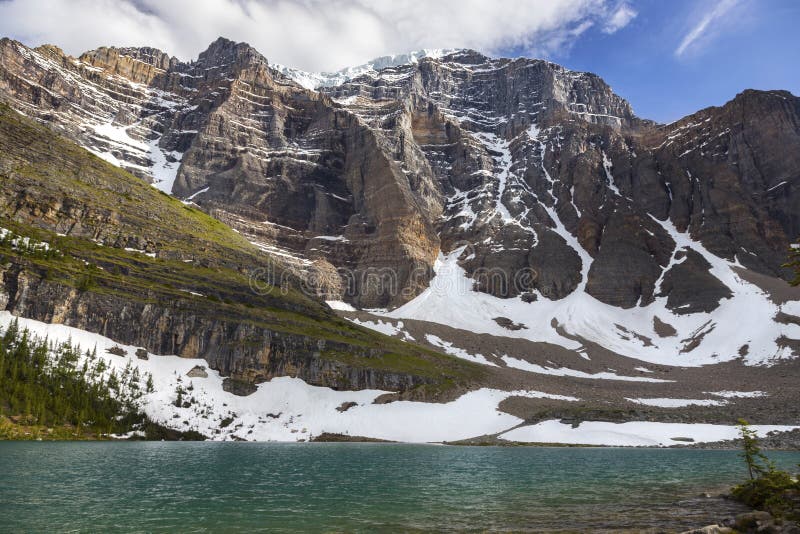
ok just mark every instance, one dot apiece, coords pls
pixel 754 521
pixel 346 406
pixel 711 529
pixel 117 351
pixel 197 371
pixel 690 287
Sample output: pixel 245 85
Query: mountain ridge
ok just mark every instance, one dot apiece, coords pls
pixel 316 80
pixel 576 239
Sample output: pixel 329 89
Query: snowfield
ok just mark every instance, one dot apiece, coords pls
pixel 450 300
pixel 288 409
pixel 632 434
pixel 389 329
pixel 316 80
pixel 563 371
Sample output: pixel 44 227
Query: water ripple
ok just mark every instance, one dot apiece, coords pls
pixel 245 487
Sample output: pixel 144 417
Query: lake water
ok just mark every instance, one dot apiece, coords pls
pixel 324 487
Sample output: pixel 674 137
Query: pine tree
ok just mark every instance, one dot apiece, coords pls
pixel 794 263
pixel 757 463
pixel 49 384
pixel 112 382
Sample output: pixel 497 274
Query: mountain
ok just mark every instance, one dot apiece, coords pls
pixel 509 212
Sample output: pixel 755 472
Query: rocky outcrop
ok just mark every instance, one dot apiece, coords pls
pixel 756 521
pixel 521 148
pixel 197 372
pixel 689 286
pixel 243 142
pixel 238 349
pixel 139 65
pixel 732 173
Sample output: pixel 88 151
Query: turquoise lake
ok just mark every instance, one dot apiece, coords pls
pixel 319 487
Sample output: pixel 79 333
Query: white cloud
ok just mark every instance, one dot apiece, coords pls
pixel 620 18
pixel 312 34
pixel 705 25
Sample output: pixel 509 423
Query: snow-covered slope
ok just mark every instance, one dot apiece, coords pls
pixel 288 409
pixel 714 338
pixel 546 224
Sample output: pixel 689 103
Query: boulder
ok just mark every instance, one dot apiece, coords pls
pixel 198 371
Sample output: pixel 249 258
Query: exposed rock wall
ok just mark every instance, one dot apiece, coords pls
pixel 532 165
pixel 237 348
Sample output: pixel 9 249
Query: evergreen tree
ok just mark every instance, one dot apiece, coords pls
pixel 50 384
pixel 757 463
pixel 794 262
pixel 179 398
pixel 150 387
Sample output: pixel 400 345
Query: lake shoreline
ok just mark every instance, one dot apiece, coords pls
pixel 12 430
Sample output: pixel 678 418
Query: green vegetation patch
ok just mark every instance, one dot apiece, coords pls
pixel 768 489
pixel 46 385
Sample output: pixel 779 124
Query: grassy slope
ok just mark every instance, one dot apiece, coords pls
pixel 40 167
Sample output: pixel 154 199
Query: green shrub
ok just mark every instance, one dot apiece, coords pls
pixel 85 283
pixel 794 262
pixel 768 488
pixel 766 492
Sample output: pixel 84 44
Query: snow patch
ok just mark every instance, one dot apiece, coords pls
pixel 386 328
pixel 738 394
pixel 451 349
pixel 164 167
pixel 676 403
pixel 340 305
pixel 194 195
pixel 563 371
pixel 631 434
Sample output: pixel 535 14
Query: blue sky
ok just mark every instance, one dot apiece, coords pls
pixel 752 44
pixel 669 58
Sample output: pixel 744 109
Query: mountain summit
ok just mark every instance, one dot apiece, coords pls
pixel 317 80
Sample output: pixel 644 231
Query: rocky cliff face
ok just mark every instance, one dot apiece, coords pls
pixel 544 177
pixel 540 167
pixel 245 352
pixel 243 141
pixel 733 176
pixel 117 257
